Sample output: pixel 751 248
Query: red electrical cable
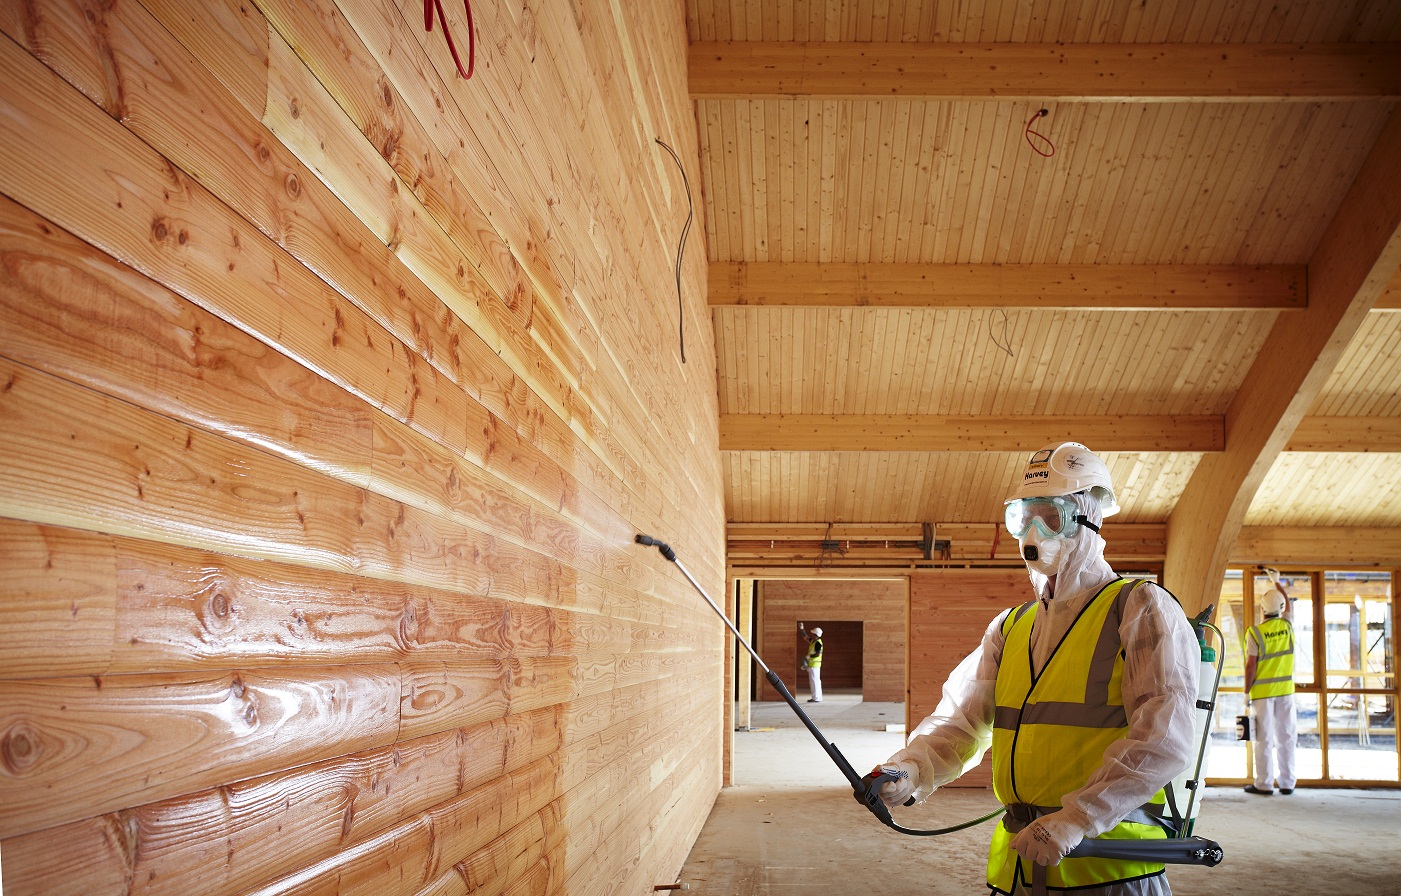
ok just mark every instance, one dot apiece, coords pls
pixel 1030 133
pixel 428 7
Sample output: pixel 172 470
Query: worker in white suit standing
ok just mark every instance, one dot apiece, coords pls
pixel 813 663
pixel 1269 684
pixel 1085 694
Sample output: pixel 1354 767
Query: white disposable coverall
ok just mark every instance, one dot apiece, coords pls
pixel 1276 730
pixel 1159 688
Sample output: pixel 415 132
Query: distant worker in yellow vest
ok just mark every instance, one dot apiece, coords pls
pixel 1085 694
pixel 813 663
pixel 1269 686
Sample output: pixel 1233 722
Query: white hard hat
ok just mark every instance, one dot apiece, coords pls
pixel 817 631
pixel 1273 602
pixel 1065 468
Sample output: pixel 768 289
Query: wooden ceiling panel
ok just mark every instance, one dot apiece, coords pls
pixel 1367 381
pixel 951 487
pixel 901 181
pixel 1172 230
pixel 1307 489
pixel 921 361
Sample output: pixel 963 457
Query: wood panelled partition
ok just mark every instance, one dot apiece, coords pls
pixel 878 605
pixel 949 611
pixel 333 389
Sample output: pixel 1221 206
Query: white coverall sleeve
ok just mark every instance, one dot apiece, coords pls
pixel 1161 660
pixel 953 738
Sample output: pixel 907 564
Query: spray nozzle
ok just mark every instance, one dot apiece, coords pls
pixel 662 546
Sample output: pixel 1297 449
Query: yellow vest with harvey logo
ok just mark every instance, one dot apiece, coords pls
pixel 1050 733
pixel 1274 658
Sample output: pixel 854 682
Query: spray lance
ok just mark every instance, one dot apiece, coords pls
pixel 866 788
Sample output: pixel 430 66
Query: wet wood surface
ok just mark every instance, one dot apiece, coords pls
pixel 332 393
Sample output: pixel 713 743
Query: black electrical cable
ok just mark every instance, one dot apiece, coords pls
pixel 681 246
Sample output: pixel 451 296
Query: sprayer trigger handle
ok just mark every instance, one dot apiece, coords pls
pixel 873 782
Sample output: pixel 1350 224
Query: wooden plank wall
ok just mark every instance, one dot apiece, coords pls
pixel 333 389
pixel 879 605
pixel 949 611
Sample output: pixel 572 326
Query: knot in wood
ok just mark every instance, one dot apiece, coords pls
pixel 20 748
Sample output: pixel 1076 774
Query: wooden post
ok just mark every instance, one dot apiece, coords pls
pixel 744 663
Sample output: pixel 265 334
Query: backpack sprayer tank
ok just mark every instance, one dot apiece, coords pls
pixel 1184 792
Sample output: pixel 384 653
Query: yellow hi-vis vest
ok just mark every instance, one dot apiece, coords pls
pixel 1050 732
pixel 1274 658
pixel 814 657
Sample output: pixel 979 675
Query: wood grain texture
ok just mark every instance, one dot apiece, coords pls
pixel 332 394
pixel 879 606
pixel 948 612
pixel 79 746
pixel 1007 285
pixel 1357 257
pixel 316 810
pixel 58 601
pixel 896 432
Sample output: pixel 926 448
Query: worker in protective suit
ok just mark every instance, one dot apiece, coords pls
pixel 813 663
pixel 1086 696
pixel 1269 689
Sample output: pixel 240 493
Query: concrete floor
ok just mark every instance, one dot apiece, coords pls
pixel 790 826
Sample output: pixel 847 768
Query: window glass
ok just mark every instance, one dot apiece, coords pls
pixel 1361 738
pixel 1308 759
pixel 1227 756
pixel 1300 589
pixel 1358 639
pixel 1359 649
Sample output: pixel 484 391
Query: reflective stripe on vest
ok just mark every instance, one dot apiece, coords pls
pixel 1050 732
pixel 815 653
pixel 1274 660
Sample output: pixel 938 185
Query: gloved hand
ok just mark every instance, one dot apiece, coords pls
pixel 1047 839
pixel 895 793
pixel 1273 574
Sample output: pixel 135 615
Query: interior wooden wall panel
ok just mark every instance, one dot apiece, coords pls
pixel 508 858
pixel 615 409
pixel 55 580
pixel 878 605
pixel 330 805
pixel 83 746
pixel 56 326
pixel 306 329
pixel 949 609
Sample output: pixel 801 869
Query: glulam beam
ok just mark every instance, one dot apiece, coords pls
pixel 1358 255
pixel 927 432
pixel 1088 72
pixel 1119 287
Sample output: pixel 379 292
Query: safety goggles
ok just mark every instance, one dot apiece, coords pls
pixel 1056 516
